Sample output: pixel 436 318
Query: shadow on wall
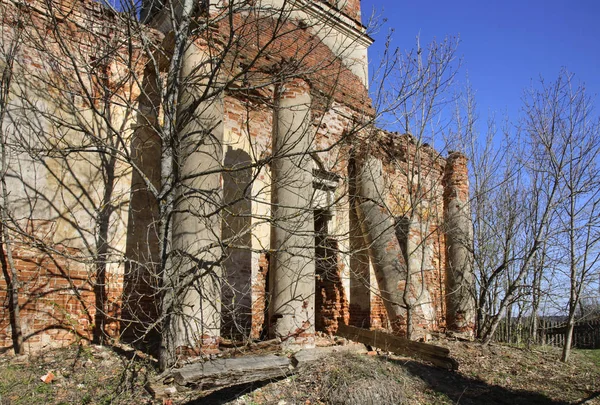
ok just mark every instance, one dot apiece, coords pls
pixel 236 225
pixel 141 281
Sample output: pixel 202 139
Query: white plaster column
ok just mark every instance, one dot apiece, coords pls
pixel 197 253
pixel 378 228
pixel 292 271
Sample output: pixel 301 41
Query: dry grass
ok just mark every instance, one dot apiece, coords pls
pixel 82 375
pixel 348 379
pixel 496 374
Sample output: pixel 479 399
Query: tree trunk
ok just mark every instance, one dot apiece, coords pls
pixel 12 284
pixel 108 159
pixel 566 351
pixel 9 270
pixel 192 276
pixel 168 182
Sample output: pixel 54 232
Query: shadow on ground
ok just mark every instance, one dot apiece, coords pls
pixel 456 387
pixel 465 391
pixel 227 395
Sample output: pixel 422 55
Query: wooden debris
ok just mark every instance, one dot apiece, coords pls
pixel 221 373
pixel 266 344
pixel 160 391
pixel 228 372
pixel 308 356
pixel 230 343
pixel 439 356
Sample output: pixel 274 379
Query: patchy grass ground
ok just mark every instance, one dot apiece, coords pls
pixel 78 375
pixel 496 374
pixel 592 355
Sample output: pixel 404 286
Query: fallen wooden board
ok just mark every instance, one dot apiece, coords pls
pixel 436 355
pixel 306 357
pixel 228 372
pixel 222 373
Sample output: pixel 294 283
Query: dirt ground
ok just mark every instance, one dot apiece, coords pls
pixel 496 374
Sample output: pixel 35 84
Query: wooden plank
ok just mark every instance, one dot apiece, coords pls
pixel 308 356
pixel 228 372
pixel 221 373
pixel 397 340
pixel 437 355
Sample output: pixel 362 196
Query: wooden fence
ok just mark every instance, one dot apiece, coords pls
pixel 586 335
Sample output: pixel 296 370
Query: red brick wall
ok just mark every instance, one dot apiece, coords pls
pixel 259 303
pixel 57 299
pixel 331 303
pixel 349 7
pixel 457 179
pixel 57 294
pixel 291 51
pixel 57 279
pixel 379 316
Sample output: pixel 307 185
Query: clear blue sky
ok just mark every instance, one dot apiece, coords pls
pixel 504 44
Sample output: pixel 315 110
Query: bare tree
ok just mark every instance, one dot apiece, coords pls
pixel 511 218
pixel 423 89
pixel 8 51
pixel 206 66
pixel 538 207
pixel 561 124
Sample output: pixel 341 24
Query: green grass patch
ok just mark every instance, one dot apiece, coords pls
pixel 591 354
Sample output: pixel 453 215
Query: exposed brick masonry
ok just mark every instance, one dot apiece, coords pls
pixel 57 295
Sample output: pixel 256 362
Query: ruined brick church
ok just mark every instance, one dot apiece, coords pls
pixel 287 211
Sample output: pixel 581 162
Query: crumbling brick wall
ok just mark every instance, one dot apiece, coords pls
pixel 56 294
pixel 58 283
pixel 414 176
pixel 60 74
